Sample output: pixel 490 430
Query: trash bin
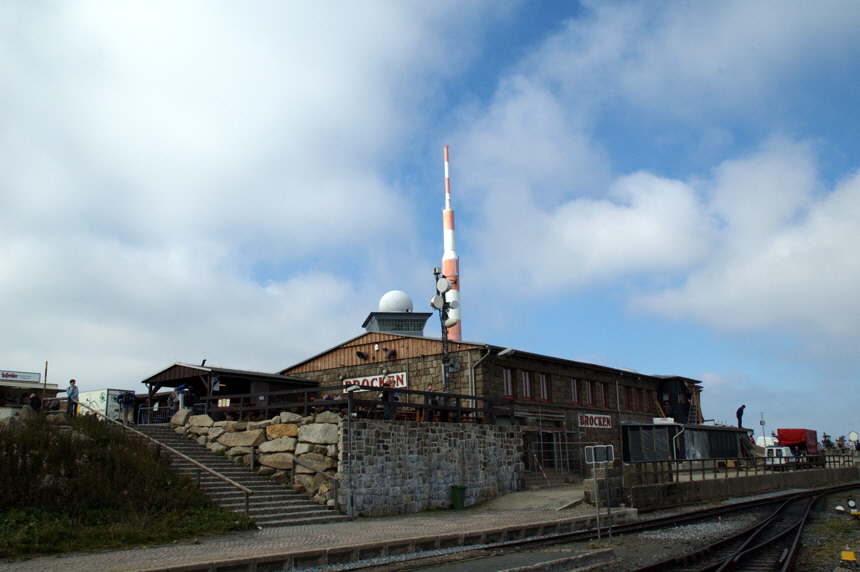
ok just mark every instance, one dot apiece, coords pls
pixel 458 497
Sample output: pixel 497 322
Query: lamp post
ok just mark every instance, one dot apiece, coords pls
pixel 442 304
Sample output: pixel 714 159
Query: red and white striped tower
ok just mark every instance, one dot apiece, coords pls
pixel 450 260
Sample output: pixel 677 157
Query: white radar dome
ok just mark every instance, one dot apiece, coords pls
pixel 395 301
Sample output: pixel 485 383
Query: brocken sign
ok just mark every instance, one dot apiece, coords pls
pixel 397 380
pixel 586 420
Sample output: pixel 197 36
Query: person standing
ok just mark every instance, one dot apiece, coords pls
pixel 386 399
pixel 71 399
pixel 431 402
pixel 740 414
pixel 35 402
pixel 126 403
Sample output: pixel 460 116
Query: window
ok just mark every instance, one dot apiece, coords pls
pixel 639 399
pixel 601 395
pixel 544 387
pixel 649 397
pixel 574 391
pixel 508 378
pixel 628 399
pixel 605 387
pixel 682 398
pixel 589 393
pixel 527 386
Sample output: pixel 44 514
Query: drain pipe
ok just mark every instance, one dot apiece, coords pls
pixel 472 381
pixel 675 448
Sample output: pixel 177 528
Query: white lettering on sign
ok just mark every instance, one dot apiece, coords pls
pixel 398 380
pixel 586 420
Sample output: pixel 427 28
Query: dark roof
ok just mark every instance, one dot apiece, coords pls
pixel 174 375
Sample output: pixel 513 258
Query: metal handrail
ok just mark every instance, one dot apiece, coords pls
pixel 248 492
pixel 323 473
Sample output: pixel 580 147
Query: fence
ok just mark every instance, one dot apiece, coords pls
pixel 661 472
pixel 411 405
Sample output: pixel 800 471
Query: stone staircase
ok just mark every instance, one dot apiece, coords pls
pixel 271 504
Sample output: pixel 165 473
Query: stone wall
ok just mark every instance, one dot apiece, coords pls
pixel 398 467
pixel 274 444
pixel 407 467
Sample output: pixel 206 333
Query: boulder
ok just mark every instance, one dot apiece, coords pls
pixel 180 417
pixel 288 417
pixel 327 417
pixel 198 430
pixel 279 445
pixel 201 440
pixel 27 412
pixel 282 430
pixel 303 448
pixel 216 447
pixel 238 451
pixel 215 432
pixel 315 460
pixel 251 438
pixel 259 424
pixel 282 461
pixel 320 433
pixel 266 471
pixel 181 429
pixel 200 421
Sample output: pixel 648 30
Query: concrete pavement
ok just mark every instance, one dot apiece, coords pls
pixel 518 515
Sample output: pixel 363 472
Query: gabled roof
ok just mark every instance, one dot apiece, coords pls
pixel 182 371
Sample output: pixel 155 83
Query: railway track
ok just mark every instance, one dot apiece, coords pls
pixel 768 544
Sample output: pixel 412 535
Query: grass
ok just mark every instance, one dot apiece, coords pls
pixel 93 487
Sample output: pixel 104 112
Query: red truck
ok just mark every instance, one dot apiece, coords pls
pixel 803 442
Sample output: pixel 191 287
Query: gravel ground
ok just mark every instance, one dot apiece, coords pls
pixel 828 533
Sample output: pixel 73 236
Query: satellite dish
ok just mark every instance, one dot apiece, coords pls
pixel 442 285
pixel 437 302
pixel 361 355
pixel 451 322
pixel 390 354
pixel 453 304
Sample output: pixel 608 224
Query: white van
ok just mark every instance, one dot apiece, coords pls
pixel 779 458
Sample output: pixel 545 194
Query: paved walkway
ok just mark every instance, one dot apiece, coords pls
pixel 516 515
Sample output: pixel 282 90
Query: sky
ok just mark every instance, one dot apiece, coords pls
pixel 667 187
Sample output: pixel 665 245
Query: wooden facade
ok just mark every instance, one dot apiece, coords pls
pixel 563 404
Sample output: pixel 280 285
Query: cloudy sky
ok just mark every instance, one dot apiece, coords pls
pixel 667 187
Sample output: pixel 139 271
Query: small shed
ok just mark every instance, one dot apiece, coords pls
pixel 665 441
pixel 206 381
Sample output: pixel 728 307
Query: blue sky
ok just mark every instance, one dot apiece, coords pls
pixel 667 187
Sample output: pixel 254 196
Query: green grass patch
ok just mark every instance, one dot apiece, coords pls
pixel 92 486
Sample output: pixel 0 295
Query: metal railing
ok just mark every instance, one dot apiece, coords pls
pixel 328 476
pixel 199 468
pixel 449 406
pixel 670 471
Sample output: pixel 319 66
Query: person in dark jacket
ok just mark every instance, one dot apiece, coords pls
pixel 35 402
pixel 740 414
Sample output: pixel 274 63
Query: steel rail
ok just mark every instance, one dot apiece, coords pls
pixel 248 492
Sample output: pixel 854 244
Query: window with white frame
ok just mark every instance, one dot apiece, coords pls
pixel 527 386
pixel 508 379
pixel 544 387
pixel 574 391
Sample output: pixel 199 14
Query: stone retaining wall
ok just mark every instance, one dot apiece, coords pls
pixel 274 444
pixel 407 467
pixel 398 467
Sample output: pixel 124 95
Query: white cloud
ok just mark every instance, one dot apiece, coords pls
pixel 156 155
pixel 787 256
